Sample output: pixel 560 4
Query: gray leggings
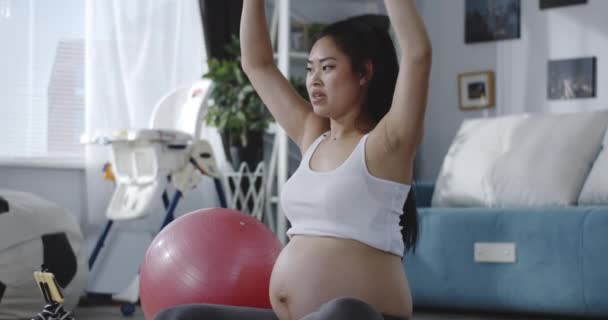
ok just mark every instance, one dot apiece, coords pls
pixel 337 309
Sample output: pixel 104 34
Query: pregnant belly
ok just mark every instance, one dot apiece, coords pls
pixel 313 270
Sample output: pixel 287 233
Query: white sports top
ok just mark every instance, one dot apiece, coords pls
pixel 347 202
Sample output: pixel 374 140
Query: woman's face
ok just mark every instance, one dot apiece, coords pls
pixel 333 88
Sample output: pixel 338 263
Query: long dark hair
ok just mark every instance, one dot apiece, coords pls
pixel 362 39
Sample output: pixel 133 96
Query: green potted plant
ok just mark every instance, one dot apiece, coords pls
pixel 236 110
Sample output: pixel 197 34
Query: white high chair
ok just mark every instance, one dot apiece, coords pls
pixel 143 159
pixel 146 161
pixel 172 152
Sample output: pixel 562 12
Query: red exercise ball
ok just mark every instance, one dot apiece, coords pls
pixel 217 256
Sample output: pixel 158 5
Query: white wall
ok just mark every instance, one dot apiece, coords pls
pixel 520 66
pixel 62 186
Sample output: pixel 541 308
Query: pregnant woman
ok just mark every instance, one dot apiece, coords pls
pixel 351 223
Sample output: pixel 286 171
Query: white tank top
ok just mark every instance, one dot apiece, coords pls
pixel 347 202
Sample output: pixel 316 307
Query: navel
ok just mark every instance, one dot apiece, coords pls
pixel 283 298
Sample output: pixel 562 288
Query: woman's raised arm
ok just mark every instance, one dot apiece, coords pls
pixel 404 122
pixel 256 48
pixel 288 108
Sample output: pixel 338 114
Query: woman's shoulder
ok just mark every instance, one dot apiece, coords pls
pixel 384 162
pixel 312 133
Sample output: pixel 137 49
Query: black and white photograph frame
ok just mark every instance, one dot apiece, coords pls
pixel 548 4
pixel 491 20
pixel 476 90
pixel 571 78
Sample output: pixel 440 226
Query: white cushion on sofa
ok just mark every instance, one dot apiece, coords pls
pixel 595 190
pixel 464 177
pixel 522 160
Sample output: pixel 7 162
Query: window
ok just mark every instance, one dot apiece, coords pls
pixel 42 79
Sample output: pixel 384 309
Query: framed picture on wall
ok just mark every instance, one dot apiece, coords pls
pixel 571 78
pixel 476 90
pixel 547 4
pixel 490 20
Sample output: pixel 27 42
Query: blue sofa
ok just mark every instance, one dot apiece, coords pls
pixel 561 263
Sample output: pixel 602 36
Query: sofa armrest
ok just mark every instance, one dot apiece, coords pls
pixel 423 191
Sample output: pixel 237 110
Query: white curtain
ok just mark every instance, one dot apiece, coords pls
pixel 136 52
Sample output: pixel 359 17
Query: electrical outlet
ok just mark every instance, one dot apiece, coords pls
pixel 495 252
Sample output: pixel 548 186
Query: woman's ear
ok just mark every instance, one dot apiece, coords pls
pixel 366 77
